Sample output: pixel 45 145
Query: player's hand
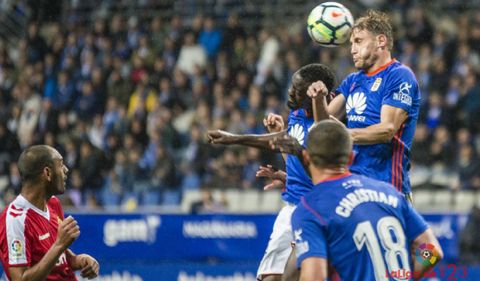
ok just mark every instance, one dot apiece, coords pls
pixel 220 137
pixel 274 123
pixel 68 231
pixel 278 177
pixel 317 89
pixel 89 266
pixel 286 144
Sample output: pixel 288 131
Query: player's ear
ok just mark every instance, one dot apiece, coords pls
pixel 350 158
pixel 382 41
pixel 47 172
pixel 306 157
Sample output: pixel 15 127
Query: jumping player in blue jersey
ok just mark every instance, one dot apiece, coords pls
pixel 361 226
pixel 297 182
pixel 381 102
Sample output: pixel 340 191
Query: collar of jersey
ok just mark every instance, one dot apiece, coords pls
pixel 336 177
pixel 381 68
pixel 45 214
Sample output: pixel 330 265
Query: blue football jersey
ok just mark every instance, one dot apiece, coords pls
pixel 298 182
pixel 365 94
pixel 362 226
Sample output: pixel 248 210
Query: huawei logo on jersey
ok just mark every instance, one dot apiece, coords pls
pixel 298 133
pixel 356 102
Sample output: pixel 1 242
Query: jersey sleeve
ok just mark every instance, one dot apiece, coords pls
pixel 415 224
pixel 401 89
pixel 308 234
pixel 17 238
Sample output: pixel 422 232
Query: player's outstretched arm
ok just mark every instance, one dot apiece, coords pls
pixel 427 237
pixel 253 140
pixel 88 266
pixel 274 124
pixel 68 232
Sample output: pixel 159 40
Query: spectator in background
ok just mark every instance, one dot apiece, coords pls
pixel 207 204
pixel 210 37
pixel 191 55
pixel 469 237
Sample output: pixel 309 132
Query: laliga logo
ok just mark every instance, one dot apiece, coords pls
pixel 426 254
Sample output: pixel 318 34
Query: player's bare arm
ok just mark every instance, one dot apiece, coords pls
pixel 68 232
pixel 314 269
pixel 88 266
pixel 274 124
pixel 391 119
pixel 426 237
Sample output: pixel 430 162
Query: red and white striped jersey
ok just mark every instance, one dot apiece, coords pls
pixel 27 233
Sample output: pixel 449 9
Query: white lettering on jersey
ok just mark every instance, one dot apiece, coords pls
pixel 15 228
pixel 300 245
pixel 44 236
pixel 346 206
pixel 403 94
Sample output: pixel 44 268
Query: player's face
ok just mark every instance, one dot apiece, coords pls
pixel 296 92
pixel 364 49
pixel 59 174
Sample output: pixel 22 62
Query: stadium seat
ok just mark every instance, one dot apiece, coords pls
pixel 464 200
pixel 188 197
pixel 233 200
pixel 151 198
pixel 422 199
pixel 270 201
pixel 250 201
pixel 171 197
pixel 442 200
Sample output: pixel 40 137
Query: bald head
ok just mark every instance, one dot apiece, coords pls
pixel 329 144
pixel 34 159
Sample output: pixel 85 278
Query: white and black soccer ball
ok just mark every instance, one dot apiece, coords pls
pixel 330 24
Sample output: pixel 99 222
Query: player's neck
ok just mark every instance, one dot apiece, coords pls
pixel 384 59
pixel 325 174
pixel 35 195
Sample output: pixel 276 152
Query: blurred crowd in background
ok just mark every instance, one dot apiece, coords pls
pixel 127 99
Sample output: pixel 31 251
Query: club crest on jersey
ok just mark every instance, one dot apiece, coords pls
pixel 356 103
pixel 376 84
pixel 403 94
pixel 298 133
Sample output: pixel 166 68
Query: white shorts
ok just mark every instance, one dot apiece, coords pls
pixel 279 247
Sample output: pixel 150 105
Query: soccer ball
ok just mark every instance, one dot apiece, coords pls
pixel 330 24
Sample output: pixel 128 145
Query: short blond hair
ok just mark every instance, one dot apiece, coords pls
pixel 377 23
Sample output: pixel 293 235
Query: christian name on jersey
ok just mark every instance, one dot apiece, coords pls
pixel 363 195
